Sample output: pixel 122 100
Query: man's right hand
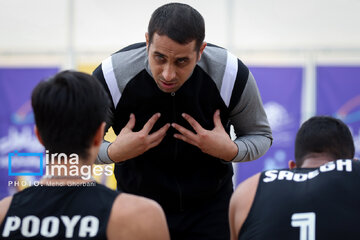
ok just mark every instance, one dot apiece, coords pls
pixel 129 144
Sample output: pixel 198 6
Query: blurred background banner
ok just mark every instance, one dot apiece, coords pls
pixel 280 89
pixel 338 95
pixel 17 124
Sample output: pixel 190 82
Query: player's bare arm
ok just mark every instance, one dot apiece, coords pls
pixel 137 218
pixel 240 204
pixel 4 206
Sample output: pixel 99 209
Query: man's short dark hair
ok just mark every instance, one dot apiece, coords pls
pixel 69 108
pixel 178 21
pixel 323 134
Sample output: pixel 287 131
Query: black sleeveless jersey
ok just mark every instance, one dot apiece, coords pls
pixel 59 212
pixel 306 204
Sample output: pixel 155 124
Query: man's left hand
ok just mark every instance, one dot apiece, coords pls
pixel 215 142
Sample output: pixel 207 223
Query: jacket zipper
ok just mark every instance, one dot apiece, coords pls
pixel 176 152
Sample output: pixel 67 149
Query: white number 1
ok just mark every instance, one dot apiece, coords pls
pixel 306 222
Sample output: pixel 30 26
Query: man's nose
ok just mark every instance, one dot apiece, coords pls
pixel 169 73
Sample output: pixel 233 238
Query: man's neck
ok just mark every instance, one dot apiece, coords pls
pixel 315 160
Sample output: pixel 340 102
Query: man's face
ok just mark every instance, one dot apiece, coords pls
pixel 171 63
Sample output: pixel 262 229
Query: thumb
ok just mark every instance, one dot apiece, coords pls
pixel 217 119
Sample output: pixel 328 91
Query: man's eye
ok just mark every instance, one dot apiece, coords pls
pixel 182 61
pixel 159 58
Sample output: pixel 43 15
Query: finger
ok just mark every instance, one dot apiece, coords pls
pixel 185 139
pixel 157 141
pixel 150 123
pixel 217 119
pixel 159 133
pixel 187 133
pixel 195 125
pixel 131 123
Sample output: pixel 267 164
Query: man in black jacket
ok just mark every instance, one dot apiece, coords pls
pixel 181 96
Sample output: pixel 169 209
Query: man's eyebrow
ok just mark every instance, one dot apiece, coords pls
pixel 159 54
pixel 182 58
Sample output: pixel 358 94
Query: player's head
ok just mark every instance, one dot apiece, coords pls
pixel 70 109
pixel 180 22
pixel 325 135
pixel 175 43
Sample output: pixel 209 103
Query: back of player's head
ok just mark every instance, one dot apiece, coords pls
pixel 322 134
pixel 178 21
pixel 69 108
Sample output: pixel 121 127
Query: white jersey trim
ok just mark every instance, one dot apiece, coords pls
pixel 229 78
pixel 110 79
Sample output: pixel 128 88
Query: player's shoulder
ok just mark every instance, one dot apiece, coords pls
pixel 216 54
pixel 247 186
pixel 4 207
pixel 222 66
pixel 241 202
pixel 137 217
pixel 128 204
pixel 356 161
pixel 123 65
pixel 213 54
pixel 244 194
pixel 134 46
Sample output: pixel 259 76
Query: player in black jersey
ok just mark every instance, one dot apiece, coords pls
pixel 317 198
pixel 70 113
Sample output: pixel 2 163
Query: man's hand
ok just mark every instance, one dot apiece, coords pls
pixel 129 144
pixel 216 142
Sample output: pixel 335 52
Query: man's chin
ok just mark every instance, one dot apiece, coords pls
pixel 167 88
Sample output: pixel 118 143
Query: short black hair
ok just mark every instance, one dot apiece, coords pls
pixel 178 21
pixel 324 134
pixel 69 108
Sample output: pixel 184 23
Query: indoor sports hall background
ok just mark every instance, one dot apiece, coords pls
pixel 305 56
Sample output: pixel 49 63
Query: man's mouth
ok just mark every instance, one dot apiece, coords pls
pixel 167 85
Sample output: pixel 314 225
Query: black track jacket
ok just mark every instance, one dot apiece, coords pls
pixel 176 174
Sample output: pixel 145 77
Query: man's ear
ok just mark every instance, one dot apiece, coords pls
pixel 99 135
pixel 201 50
pixel 38 135
pixel 147 41
pixel 292 164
